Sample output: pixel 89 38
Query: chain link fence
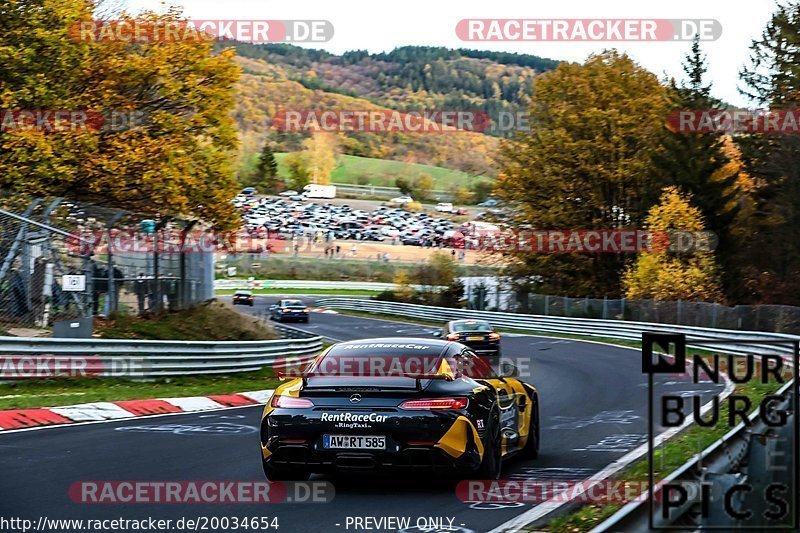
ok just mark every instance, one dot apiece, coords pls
pixel 62 260
pixel 498 294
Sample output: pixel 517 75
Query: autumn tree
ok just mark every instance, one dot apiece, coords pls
pixel 481 190
pixel 403 185
pixel 460 194
pixel 166 142
pixel 663 274
pixel 298 172
pixel 772 80
pixel 422 186
pixel 319 154
pixel 438 280
pixel 585 164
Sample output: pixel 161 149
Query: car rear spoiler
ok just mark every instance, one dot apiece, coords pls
pixel 417 380
pixel 446 377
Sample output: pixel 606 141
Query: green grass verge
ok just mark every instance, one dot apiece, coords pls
pixel 383 172
pixel 307 268
pixel 55 392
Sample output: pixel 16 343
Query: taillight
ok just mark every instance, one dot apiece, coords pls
pixel 494 336
pixel 435 404
pixel 286 311
pixel 452 336
pixel 291 402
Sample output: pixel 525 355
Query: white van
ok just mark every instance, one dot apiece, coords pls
pixel 312 190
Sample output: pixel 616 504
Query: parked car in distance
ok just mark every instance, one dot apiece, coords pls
pixel 491 202
pixel 288 193
pixel 444 207
pixel 402 200
pixel 243 298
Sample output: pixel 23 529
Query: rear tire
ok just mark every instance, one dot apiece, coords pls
pixel 492 463
pixel 284 474
pixel 531 449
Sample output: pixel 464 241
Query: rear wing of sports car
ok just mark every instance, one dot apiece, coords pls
pixel 408 382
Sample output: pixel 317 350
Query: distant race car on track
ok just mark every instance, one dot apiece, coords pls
pixel 477 334
pixel 243 298
pixel 289 310
pixel 398 403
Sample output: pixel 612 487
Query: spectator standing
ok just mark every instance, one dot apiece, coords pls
pixel 141 292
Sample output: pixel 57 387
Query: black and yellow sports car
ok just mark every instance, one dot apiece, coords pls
pixel 398 403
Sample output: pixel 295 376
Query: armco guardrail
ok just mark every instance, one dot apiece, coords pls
pixel 614 329
pixel 386 192
pixel 743 453
pixel 222 284
pixel 150 359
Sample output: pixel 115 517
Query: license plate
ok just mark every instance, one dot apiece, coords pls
pixel 475 338
pixel 354 442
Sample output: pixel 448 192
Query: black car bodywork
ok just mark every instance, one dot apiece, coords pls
pixel 243 298
pixel 286 310
pixel 477 334
pixel 455 414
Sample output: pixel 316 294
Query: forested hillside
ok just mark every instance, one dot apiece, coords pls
pixel 281 77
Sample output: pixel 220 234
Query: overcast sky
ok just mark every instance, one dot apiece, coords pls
pixel 382 26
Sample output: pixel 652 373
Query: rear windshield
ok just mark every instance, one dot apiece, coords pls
pixel 383 360
pixel 293 303
pixel 471 326
pixel 243 293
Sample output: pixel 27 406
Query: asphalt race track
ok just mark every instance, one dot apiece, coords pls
pixel 593 405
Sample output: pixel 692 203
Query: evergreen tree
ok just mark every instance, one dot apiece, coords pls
pixel 693 161
pixel 266 176
pixel 772 80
